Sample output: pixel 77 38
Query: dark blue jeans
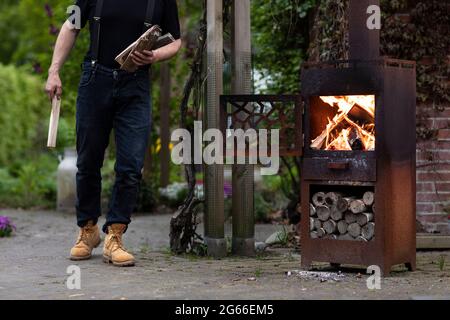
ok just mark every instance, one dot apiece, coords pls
pixel 111 99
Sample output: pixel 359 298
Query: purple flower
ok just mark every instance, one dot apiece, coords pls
pixel 37 68
pixel 227 189
pixel 6 227
pixel 48 10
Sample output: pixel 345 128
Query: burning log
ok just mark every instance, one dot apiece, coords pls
pixel 363 218
pixel 354 230
pixel 354 139
pixel 357 206
pixel 342 227
pixel 312 210
pixel 323 212
pixel 368 198
pixel 318 199
pixel 330 226
pixel 368 231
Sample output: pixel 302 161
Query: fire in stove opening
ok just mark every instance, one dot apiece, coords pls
pixel 343 123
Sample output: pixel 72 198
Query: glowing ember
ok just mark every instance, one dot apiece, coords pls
pixel 347 131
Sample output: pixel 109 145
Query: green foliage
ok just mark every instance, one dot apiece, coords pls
pixel 29 184
pixel 280 31
pixel 24 109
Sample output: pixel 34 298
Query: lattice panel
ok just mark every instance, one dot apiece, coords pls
pixel 282 112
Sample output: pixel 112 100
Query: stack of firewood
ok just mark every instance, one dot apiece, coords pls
pixel 337 216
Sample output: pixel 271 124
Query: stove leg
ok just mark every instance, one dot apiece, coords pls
pixel 335 265
pixel 306 264
pixel 411 266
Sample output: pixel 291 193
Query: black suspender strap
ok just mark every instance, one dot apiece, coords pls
pixel 149 14
pixel 96 31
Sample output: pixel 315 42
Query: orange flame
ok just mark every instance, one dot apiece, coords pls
pixel 354 136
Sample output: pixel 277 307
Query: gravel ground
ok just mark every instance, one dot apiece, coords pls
pixel 33 265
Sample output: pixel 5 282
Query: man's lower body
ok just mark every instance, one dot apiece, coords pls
pixel 110 99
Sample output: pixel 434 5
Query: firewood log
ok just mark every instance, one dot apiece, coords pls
pixel 354 230
pixel 317 224
pixel 313 235
pixel 311 224
pixel 331 236
pixel 361 238
pixel 312 210
pixel 321 233
pixel 368 198
pixel 349 217
pixel 336 215
pixel 331 198
pixel 330 226
pixel 342 227
pixel 318 199
pixel 363 218
pixel 345 236
pixel 323 212
pixel 357 206
pixel 368 231
pixel 373 208
pixel 355 140
pixel 344 203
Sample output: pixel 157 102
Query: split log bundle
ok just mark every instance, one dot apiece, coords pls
pixel 342 227
pixel 357 206
pixel 354 230
pixel 368 198
pixel 368 231
pixel 363 218
pixel 312 210
pixel 317 224
pixel 343 204
pixel 323 212
pixel 332 198
pixel 321 232
pixel 330 226
pixel 336 215
pixel 318 198
pixel 350 217
pixel 345 237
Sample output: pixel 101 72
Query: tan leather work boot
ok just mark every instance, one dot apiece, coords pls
pixel 113 250
pixel 88 239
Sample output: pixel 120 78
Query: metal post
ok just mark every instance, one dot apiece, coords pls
pixel 243 241
pixel 214 197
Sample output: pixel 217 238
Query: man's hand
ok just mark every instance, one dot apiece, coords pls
pixel 54 85
pixel 145 57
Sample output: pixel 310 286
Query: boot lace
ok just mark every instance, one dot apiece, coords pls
pixel 84 235
pixel 116 242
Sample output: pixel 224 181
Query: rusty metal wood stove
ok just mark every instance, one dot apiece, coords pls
pixel 384 164
pixel 387 169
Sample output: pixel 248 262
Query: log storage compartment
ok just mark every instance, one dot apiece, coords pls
pixel 342 213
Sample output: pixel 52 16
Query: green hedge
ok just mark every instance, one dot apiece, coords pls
pixel 23 116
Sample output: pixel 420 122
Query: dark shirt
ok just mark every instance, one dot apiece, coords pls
pixel 122 23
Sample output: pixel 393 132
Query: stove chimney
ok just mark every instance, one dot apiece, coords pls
pixel 364 43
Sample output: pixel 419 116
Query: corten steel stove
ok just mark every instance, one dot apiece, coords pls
pixel 353 127
pixel 358 166
pixel 379 161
